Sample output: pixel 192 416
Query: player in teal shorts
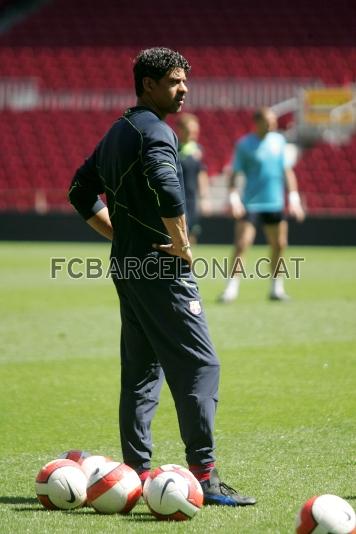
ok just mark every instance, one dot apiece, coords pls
pixel 261 162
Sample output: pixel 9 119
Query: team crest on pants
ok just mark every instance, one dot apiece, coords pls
pixel 194 306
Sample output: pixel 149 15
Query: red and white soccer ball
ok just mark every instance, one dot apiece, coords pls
pixel 114 488
pixel 326 514
pixel 76 455
pixel 61 485
pixel 173 493
pixel 91 463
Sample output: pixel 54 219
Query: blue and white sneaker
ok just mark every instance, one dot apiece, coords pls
pixel 219 493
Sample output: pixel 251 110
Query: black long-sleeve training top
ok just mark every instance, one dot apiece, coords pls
pixel 137 167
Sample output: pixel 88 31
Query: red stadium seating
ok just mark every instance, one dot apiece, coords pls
pixel 199 23
pixel 42 149
pixel 81 45
pixel 111 68
pixel 327 177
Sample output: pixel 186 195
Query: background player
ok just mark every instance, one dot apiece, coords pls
pixel 261 163
pixel 195 176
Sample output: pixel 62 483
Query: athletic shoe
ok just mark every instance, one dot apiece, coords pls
pixel 219 493
pixel 282 297
pixel 229 295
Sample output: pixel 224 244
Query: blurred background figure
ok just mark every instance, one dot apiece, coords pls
pixel 196 180
pixel 261 164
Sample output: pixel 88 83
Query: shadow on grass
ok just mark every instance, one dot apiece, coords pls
pixel 132 516
pixel 32 509
pixel 140 516
pixel 5 499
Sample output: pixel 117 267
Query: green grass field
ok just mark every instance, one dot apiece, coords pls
pixel 285 427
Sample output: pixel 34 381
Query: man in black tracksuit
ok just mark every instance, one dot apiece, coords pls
pixel 163 326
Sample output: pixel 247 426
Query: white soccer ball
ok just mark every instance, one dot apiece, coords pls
pixel 326 514
pixel 114 487
pixel 76 455
pixel 90 464
pixel 61 484
pixel 173 493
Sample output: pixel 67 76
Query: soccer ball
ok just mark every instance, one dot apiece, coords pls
pixel 61 485
pixel 114 487
pixel 75 455
pixel 173 493
pixel 326 514
pixel 90 464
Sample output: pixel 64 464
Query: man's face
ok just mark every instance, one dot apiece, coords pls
pixel 188 131
pixel 267 123
pixel 168 93
pixel 193 130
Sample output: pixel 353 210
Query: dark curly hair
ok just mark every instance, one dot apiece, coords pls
pixel 155 63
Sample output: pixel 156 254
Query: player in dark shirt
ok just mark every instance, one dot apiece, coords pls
pixel 195 176
pixel 163 327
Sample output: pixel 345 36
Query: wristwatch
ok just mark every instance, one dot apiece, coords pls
pixel 185 247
